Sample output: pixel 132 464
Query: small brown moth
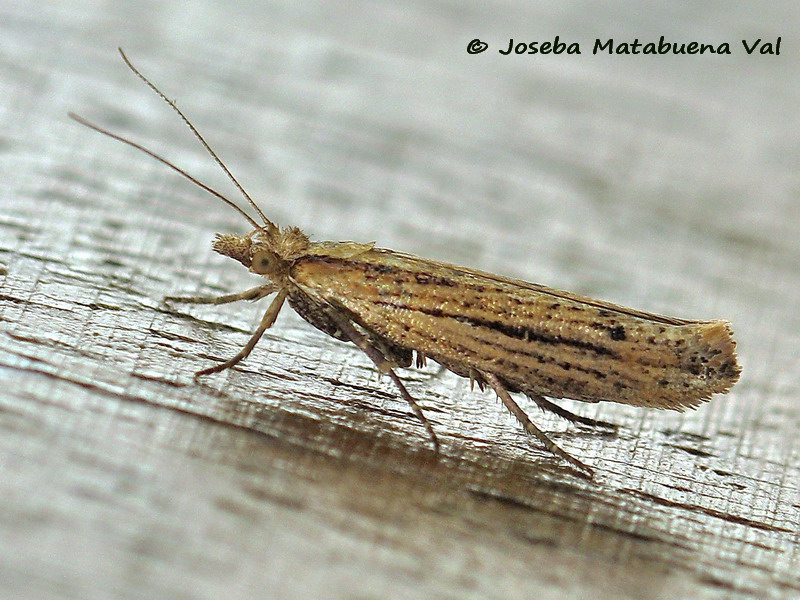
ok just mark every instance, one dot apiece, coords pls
pixel 511 335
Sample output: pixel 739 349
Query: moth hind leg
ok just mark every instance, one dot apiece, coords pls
pixel 416 408
pixel 385 364
pixel 546 405
pixel 530 428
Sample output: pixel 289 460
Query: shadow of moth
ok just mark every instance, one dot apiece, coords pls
pixel 509 335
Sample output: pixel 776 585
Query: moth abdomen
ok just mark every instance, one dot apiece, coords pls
pixel 319 316
pixel 313 313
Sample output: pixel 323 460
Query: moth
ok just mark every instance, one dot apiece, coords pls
pixel 509 335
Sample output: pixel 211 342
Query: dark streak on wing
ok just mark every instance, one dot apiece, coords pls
pixel 537 356
pixel 519 332
pixel 424 264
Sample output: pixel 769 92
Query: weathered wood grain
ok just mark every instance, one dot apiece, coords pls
pixel 669 184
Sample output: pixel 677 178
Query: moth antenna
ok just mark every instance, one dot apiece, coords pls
pixel 163 160
pixel 269 224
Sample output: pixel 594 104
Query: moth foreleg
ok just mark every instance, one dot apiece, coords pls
pixel 530 428
pixel 545 404
pixel 252 294
pixel 266 322
pixel 384 365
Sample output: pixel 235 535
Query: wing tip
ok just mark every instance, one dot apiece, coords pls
pixel 722 369
pixel 710 367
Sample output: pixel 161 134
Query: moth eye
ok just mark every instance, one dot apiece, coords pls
pixel 263 262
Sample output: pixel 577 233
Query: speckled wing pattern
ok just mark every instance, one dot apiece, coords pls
pixel 537 340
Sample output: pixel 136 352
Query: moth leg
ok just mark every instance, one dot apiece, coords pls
pixel 266 322
pixel 476 379
pixel 530 428
pixel 384 366
pixel 545 404
pixel 422 362
pixel 255 293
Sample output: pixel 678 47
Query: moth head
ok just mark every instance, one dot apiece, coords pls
pixel 263 251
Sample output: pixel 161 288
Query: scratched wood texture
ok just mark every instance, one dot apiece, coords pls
pixel 664 183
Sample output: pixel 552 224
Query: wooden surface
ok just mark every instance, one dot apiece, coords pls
pixel 665 183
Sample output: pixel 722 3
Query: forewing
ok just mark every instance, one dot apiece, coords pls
pixel 538 340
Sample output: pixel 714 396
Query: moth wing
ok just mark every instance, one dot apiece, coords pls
pixel 444 267
pixel 538 340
